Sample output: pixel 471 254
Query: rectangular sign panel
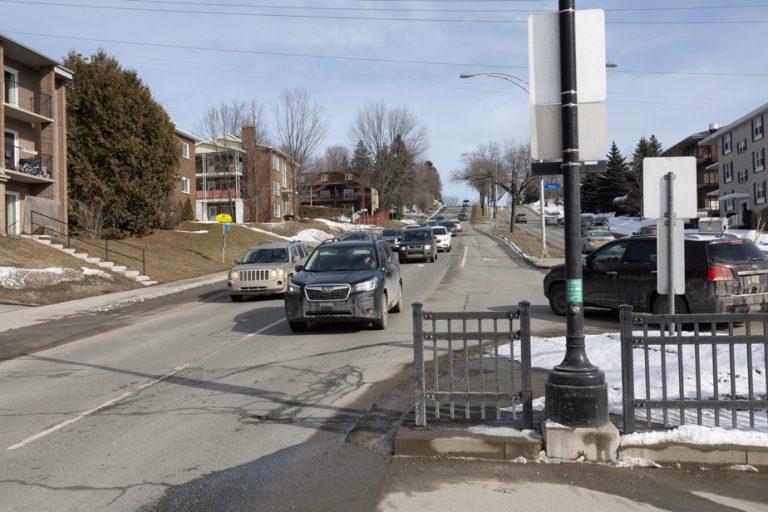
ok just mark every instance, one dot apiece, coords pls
pixel 547 137
pixel 683 189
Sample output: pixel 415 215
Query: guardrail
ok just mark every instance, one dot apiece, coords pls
pixel 717 388
pixel 42 224
pixel 471 375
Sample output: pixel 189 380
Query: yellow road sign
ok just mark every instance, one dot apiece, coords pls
pixel 223 217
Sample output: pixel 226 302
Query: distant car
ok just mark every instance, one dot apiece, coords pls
pixel 521 218
pixel 440 218
pixel 418 244
pixel 465 203
pixel 594 238
pixel 345 281
pixel 600 223
pixel 362 234
pixel 722 274
pixel 442 238
pixel 451 226
pixel 648 230
pixel 457 225
pixel 265 269
pixel 392 236
pixel 462 216
pixel 550 220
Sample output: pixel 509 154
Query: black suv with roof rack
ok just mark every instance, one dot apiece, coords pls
pixel 722 274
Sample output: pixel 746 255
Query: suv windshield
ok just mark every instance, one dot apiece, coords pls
pixel 391 232
pixel 272 255
pixel 420 235
pixel 734 251
pixel 334 259
pixel 439 231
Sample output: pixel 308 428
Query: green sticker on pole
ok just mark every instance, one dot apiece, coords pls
pixel 575 292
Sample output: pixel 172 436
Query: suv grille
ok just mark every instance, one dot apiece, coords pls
pixel 254 275
pixel 328 292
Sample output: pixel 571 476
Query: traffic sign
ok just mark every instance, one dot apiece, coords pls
pixel 551 185
pixel 223 217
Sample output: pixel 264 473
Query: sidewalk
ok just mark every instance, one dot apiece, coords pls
pixel 16 316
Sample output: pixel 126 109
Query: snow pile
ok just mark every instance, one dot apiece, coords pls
pixel 14 278
pixel 312 236
pixel 698 435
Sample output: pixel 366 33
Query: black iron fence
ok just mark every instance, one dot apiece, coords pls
pixel 479 369
pixel 709 370
pixel 44 225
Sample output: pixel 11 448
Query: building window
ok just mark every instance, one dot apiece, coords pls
pixel 710 178
pixel 185 150
pixel 349 193
pixel 275 163
pixel 11 149
pixel 729 205
pixel 283 166
pixel 758 160
pixel 349 177
pixel 323 177
pixel 325 194
pixel 276 210
pixel 185 185
pixel 728 172
pixel 760 192
pixel 743 176
pixel 741 146
pixel 275 188
pixel 757 128
pixel 727 143
pixel 284 172
pixel 11 79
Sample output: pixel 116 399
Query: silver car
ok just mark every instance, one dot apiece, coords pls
pixel 265 269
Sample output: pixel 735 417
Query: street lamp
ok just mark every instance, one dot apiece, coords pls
pixel 526 87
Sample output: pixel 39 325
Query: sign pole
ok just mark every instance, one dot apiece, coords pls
pixel 576 394
pixel 543 221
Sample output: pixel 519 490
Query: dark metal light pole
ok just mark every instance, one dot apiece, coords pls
pixel 576 393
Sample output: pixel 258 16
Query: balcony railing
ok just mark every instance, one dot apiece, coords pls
pixel 218 194
pixel 40 165
pixel 28 97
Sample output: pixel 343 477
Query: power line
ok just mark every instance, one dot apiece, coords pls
pixel 263 52
pixel 369 18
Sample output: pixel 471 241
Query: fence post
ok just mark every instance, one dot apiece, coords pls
pixel 525 362
pixel 627 369
pixel 418 365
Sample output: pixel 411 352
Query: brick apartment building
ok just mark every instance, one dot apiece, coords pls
pixel 706 168
pixel 33 174
pixel 341 189
pixel 185 188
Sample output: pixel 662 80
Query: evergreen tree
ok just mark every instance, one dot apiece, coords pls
pixel 589 192
pixel 187 213
pixel 121 145
pixel 612 184
pixel 361 160
pixel 645 148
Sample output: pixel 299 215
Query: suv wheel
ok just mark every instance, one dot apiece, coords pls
pixel 381 322
pixel 236 298
pixel 297 326
pixel 661 305
pixel 557 299
pixel 398 306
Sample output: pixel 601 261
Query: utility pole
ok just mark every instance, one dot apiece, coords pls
pixel 576 392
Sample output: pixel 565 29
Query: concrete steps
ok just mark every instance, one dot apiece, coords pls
pixel 106 265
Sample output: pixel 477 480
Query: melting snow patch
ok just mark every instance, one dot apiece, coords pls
pixel 198 232
pixel 114 305
pixel 634 462
pixel 503 432
pixel 694 434
pixel 743 467
pixel 14 278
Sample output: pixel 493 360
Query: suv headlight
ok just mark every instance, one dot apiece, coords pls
pixel 293 288
pixel 428 247
pixel 234 274
pixel 280 273
pixel 365 286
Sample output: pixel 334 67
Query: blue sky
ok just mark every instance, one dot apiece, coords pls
pixel 681 64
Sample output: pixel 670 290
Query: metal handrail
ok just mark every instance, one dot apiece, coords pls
pixel 107 241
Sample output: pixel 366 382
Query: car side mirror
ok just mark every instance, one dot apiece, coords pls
pixel 299 268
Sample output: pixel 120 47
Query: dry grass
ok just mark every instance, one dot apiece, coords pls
pixel 529 244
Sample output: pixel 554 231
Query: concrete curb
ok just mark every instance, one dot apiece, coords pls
pixel 16 317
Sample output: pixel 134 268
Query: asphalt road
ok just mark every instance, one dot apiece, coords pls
pixel 193 403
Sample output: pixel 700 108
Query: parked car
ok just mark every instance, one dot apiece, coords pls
pixel 345 281
pixel 550 220
pixel 594 238
pixel 418 244
pixel 600 223
pixel 521 218
pixel 722 274
pixel 442 238
pixel 462 216
pixel 392 236
pixel 265 269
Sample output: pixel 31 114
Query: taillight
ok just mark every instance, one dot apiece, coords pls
pixel 719 274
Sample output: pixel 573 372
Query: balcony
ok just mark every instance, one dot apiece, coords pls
pixel 26 102
pixel 29 170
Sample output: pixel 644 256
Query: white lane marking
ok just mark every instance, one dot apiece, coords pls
pixel 141 387
pixel 464 258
